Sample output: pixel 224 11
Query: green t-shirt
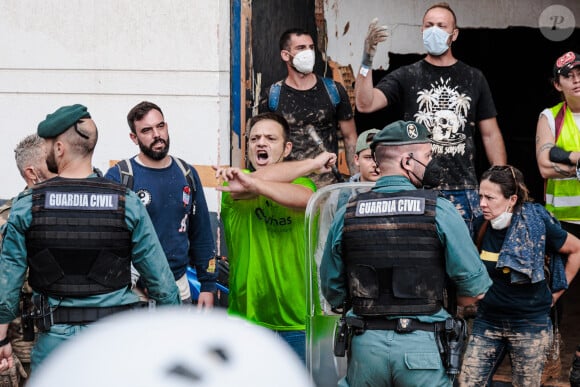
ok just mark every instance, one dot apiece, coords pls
pixel 266 247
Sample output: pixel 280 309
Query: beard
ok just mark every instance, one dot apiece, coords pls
pixel 152 154
pixel 51 163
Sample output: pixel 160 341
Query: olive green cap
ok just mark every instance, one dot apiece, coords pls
pixel 402 133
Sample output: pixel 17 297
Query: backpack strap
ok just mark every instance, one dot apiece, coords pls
pixel 189 177
pixel 329 85
pixel 186 172
pixel 274 96
pixel 332 91
pixel 559 121
pixel 126 173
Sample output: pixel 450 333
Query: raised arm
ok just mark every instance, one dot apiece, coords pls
pixel 368 99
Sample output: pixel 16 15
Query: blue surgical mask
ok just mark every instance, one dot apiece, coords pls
pixel 435 40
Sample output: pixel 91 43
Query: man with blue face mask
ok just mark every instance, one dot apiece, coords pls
pixel 446 95
pixel 312 105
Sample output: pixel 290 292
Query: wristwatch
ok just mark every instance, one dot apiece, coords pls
pixel 4 341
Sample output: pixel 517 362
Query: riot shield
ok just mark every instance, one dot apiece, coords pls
pixel 325 368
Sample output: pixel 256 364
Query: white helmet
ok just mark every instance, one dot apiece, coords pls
pixel 172 347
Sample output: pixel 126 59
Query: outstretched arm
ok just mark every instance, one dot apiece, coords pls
pixel 244 185
pixel 286 171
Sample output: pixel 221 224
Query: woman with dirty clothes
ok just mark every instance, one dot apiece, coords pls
pixel 518 241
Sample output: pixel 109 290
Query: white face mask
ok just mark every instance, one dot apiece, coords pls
pixel 435 40
pixel 502 221
pixel 304 61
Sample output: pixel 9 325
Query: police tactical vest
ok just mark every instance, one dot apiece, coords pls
pixel 393 256
pixel 78 242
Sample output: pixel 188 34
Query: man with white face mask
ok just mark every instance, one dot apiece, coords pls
pixel 307 100
pixel 446 95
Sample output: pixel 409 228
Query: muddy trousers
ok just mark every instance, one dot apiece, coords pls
pixel 524 341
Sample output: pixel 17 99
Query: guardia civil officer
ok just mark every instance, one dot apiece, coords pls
pixel 386 257
pixel 77 234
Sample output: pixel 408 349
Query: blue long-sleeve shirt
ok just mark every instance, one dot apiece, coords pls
pixel 180 217
pixel 463 265
pixel 147 256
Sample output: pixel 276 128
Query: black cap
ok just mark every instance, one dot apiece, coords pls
pixel 565 63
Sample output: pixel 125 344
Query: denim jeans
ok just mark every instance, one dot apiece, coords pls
pixel 467 203
pixel 525 341
pixel 297 341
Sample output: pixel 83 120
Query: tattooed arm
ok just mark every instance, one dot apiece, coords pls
pixel 545 142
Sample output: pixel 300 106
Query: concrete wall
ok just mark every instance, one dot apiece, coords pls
pixel 348 20
pixel 109 55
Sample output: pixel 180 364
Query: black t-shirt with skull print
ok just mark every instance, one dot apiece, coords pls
pixel 449 101
pixel 303 108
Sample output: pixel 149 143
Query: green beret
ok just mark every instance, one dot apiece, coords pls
pixel 402 133
pixel 62 119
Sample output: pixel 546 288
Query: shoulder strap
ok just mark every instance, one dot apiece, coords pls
pixel 480 234
pixel 332 90
pixel 186 172
pixel 329 85
pixel 559 119
pixel 274 96
pixel 126 173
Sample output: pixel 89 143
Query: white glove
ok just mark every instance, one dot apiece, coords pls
pixel 375 35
